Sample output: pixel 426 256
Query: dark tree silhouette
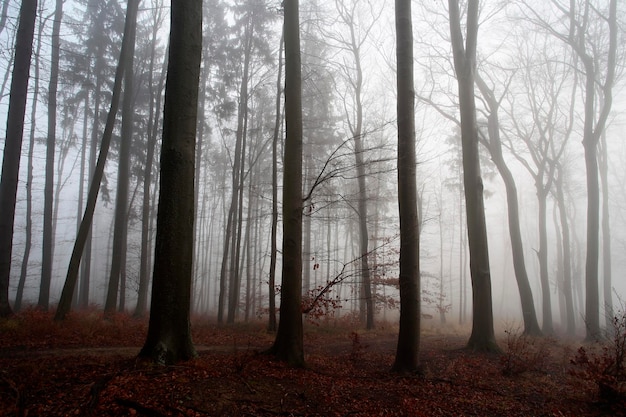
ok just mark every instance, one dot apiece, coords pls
pixel 13 144
pixel 169 332
pixel 288 345
pixel 482 337
pixel 409 333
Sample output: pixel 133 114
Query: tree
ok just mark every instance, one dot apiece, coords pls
pixel 288 345
pixel 13 144
pixel 409 334
pixel 155 94
pixel 358 33
pixel 120 230
pixel 90 68
pixel 274 228
pixel 169 332
pixel 48 236
pixel 29 173
pixel 494 145
pixel 67 293
pixel 482 337
pixel 585 27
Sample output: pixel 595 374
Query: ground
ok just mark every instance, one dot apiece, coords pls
pixel 87 366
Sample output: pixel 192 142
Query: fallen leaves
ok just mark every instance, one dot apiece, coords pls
pixel 89 368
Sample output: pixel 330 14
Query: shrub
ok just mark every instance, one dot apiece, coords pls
pixel 523 353
pixel 605 364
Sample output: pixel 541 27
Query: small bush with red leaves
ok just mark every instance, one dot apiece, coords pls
pixel 605 364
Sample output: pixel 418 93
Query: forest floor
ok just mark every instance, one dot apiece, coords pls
pixel 87 366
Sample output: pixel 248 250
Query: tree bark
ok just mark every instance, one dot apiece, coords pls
pixel 13 144
pixel 567 257
pixel 169 332
pixel 289 345
pixel 482 337
pixel 609 314
pixel 407 349
pixel 271 326
pixel 531 326
pixel 29 175
pixel 48 238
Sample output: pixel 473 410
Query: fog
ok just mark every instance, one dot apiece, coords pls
pixel 534 75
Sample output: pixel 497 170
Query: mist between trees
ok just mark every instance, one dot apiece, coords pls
pixel 518 122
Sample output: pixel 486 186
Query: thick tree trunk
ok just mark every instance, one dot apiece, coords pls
pixel 13 144
pixel 29 175
pixel 407 349
pixel 289 345
pixel 169 332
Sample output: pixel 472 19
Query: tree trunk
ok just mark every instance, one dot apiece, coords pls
pixel 542 196
pixel 92 196
pixel 273 250
pixel 153 125
pixel 606 237
pixel 482 337
pixel 289 345
pixel 120 231
pixel 531 326
pixel 230 238
pixel 13 144
pixel 29 174
pixel 48 238
pixel 169 332
pixel 409 334
pixel 567 261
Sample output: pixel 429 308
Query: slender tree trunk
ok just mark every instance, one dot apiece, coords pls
pixel 482 337
pixel 85 266
pixel 542 196
pixel 606 236
pixel 120 231
pixel 92 196
pixel 567 261
pixel 48 238
pixel 230 238
pixel 13 144
pixel 273 250
pixel 409 334
pixel 592 131
pixel 531 326
pixel 29 174
pixel 153 124
pixel 362 203
pixel 169 332
pixel 235 270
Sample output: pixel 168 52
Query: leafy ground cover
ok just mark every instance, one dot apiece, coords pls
pixel 87 366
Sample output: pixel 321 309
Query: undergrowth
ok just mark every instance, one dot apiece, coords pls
pixel 605 363
pixel 523 353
